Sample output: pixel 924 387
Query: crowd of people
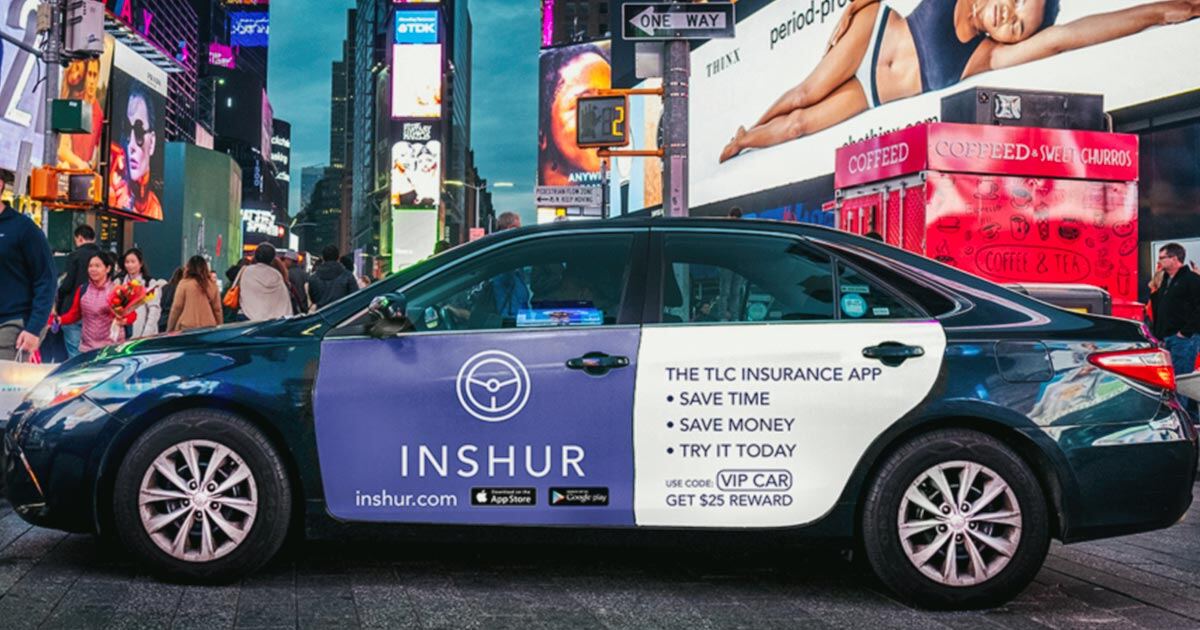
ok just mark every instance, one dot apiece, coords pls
pixel 99 298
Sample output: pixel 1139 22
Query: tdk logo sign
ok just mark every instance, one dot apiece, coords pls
pixel 416 27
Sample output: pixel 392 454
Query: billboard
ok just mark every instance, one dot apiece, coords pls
pixel 416 27
pixel 414 234
pixel 281 149
pixel 566 74
pixel 249 28
pixel 770 107
pixel 416 81
pixel 416 178
pixel 137 138
pixel 87 80
pixel 21 92
pixel 222 55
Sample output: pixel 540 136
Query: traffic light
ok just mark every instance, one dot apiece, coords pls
pixel 65 187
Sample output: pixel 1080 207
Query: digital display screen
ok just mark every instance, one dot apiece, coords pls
pixel 249 28
pixel 416 27
pixel 416 81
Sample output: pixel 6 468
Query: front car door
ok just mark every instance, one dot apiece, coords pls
pixel 511 402
pixel 755 395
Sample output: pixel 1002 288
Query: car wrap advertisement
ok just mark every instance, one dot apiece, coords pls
pixel 776 102
pixel 566 74
pixel 490 429
pixel 762 426
pixel 88 80
pixel 137 138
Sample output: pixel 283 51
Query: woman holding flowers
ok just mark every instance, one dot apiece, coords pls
pixel 103 324
pixel 137 273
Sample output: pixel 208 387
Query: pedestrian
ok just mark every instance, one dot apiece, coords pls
pixel 26 282
pixel 508 221
pixel 263 292
pixel 92 310
pixel 330 281
pixel 195 302
pixel 1176 308
pixel 297 280
pixel 735 213
pixel 75 275
pixel 441 246
pixel 167 299
pixel 146 324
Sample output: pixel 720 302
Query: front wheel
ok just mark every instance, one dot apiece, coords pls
pixel 955 519
pixel 202 496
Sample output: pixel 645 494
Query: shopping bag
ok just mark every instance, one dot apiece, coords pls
pixel 17 378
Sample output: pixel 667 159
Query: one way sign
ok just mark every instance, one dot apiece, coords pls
pixel 664 20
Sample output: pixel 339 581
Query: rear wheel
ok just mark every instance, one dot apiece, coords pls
pixel 202 496
pixel 955 519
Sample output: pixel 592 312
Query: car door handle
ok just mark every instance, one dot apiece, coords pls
pixel 597 363
pixel 893 354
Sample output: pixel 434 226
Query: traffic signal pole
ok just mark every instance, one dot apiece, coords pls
pixel 676 75
pixel 52 55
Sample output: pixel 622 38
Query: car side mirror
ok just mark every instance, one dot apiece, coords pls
pixel 389 313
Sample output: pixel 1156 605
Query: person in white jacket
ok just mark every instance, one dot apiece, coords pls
pixel 146 324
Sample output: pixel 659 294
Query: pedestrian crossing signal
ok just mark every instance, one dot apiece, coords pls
pixel 602 121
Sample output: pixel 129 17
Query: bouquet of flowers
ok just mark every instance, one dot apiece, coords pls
pixel 124 301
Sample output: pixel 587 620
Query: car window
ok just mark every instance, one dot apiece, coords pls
pixel 864 298
pixel 573 281
pixel 744 278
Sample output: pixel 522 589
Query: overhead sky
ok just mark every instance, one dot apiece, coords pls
pixel 306 38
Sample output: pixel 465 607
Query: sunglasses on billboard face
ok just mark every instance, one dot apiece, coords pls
pixel 138 130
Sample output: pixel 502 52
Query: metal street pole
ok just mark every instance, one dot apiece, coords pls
pixel 52 55
pixel 676 74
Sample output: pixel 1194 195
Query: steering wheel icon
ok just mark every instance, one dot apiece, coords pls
pixel 493 386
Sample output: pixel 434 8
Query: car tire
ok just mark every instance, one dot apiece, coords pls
pixel 236 518
pixel 999 545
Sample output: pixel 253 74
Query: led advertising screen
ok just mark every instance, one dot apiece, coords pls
pixel 416 177
pixel 87 80
pixel 281 149
pixel 222 55
pixel 414 234
pixel 416 81
pixel 776 105
pixel 21 93
pixel 249 28
pixel 137 139
pixel 566 74
pixel 416 27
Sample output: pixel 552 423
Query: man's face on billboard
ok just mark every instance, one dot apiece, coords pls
pixel 140 143
pixel 92 82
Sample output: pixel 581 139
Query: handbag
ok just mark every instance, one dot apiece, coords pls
pixel 233 295
pixel 17 378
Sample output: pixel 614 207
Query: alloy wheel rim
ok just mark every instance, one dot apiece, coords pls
pixel 960 523
pixel 198 501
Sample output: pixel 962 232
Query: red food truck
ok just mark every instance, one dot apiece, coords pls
pixel 1016 205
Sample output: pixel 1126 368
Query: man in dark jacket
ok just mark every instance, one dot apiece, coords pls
pixel 330 281
pixel 26 282
pixel 1177 308
pixel 75 270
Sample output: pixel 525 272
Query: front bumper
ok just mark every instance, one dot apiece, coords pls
pixel 51 460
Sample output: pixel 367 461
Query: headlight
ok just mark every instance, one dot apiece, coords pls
pixel 60 388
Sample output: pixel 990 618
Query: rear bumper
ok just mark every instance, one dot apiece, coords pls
pixel 1130 487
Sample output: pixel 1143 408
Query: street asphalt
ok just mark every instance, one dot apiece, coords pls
pixel 53 580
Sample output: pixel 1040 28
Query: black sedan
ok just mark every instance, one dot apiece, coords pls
pixel 762 381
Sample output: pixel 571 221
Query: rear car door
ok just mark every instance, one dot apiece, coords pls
pixel 511 402
pixel 767 367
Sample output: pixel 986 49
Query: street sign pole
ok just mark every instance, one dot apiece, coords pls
pixel 51 54
pixel 676 75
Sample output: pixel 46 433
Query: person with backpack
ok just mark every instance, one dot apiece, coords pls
pixel 330 281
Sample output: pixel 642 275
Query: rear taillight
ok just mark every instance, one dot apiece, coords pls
pixel 1149 366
